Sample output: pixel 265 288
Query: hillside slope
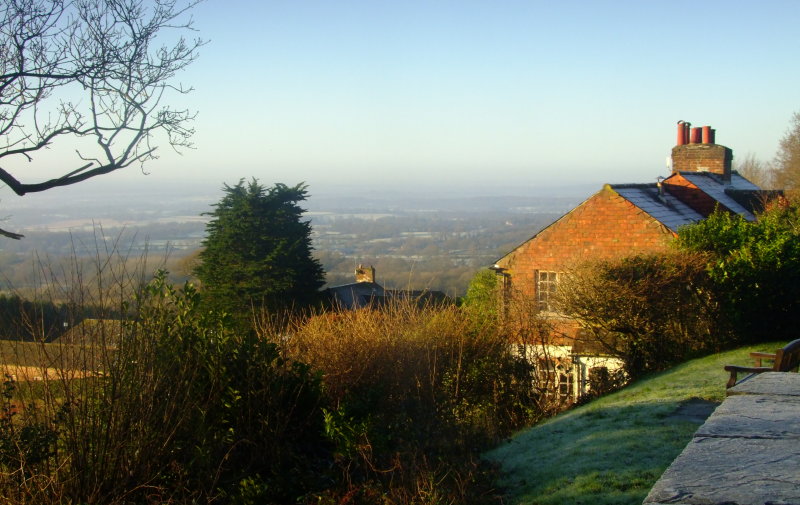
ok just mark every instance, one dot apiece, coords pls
pixel 612 450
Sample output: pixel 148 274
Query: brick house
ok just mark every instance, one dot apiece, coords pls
pixel 617 221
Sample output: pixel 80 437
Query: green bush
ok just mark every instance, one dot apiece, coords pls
pixel 754 269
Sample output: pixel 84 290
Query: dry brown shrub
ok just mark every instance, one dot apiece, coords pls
pixel 403 346
pixel 416 391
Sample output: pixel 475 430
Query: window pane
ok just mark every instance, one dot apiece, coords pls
pixel 546 285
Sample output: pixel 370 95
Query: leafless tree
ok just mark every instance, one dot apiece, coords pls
pixel 787 159
pixel 92 76
pixel 755 171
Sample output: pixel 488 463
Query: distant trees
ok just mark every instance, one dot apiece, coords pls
pixel 88 80
pixel 784 171
pixel 257 251
pixel 787 159
pixel 756 171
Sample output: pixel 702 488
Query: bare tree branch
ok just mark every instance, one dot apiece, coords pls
pixel 10 234
pixel 78 70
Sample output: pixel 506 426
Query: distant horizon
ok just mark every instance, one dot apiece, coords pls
pixel 106 187
pixel 466 96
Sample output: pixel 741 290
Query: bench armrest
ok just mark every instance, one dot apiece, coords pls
pixel 758 356
pixel 736 369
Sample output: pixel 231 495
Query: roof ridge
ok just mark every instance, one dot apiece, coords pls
pixel 634 185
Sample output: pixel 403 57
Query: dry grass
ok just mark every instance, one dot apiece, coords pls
pixel 37 373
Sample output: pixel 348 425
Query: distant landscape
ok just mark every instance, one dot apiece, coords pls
pixel 415 239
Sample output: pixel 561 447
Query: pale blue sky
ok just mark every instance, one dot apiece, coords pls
pixel 479 92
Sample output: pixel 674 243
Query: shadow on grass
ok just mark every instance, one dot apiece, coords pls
pixel 612 450
pixel 606 455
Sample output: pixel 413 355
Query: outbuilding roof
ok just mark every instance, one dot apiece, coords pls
pixel 714 186
pixel 659 204
pixel 669 210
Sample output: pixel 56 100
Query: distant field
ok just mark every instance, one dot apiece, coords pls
pixel 34 361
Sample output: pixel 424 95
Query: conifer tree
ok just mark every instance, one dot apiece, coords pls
pixel 257 250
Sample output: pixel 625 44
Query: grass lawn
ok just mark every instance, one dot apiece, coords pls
pixel 612 450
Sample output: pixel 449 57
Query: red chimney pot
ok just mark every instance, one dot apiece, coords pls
pixel 707 135
pixel 681 133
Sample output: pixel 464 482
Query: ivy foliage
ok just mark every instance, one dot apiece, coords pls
pixel 257 250
pixel 482 300
pixel 755 269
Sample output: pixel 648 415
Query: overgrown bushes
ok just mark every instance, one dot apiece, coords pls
pixel 179 405
pixel 183 410
pixel 651 311
pixel 415 393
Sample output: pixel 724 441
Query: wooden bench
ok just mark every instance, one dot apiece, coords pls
pixel 785 359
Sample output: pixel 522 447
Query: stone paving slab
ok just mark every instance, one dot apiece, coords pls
pixel 770 383
pixel 755 416
pixel 740 471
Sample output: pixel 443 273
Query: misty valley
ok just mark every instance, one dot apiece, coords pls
pixel 414 242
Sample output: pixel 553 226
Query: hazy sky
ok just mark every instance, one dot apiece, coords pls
pixel 479 93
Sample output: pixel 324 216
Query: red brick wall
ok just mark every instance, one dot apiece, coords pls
pixel 604 226
pixel 690 194
pixel 702 158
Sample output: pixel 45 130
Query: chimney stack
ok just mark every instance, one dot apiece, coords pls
pixel 365 274
pixel 697 151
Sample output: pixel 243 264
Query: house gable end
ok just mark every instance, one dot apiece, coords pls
pixel 604 226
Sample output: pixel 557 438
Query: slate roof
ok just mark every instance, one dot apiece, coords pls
pixel 357 294
pixel 739 195
pixel 713 186
pixel 661 206
pixel 94 332
pixel 365 294
pixel 673 213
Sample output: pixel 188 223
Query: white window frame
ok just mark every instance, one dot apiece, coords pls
pixel 546 286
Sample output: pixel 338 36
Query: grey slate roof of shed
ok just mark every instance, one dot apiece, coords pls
pixel 664 208
pixel 364 294
pixel 713 186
